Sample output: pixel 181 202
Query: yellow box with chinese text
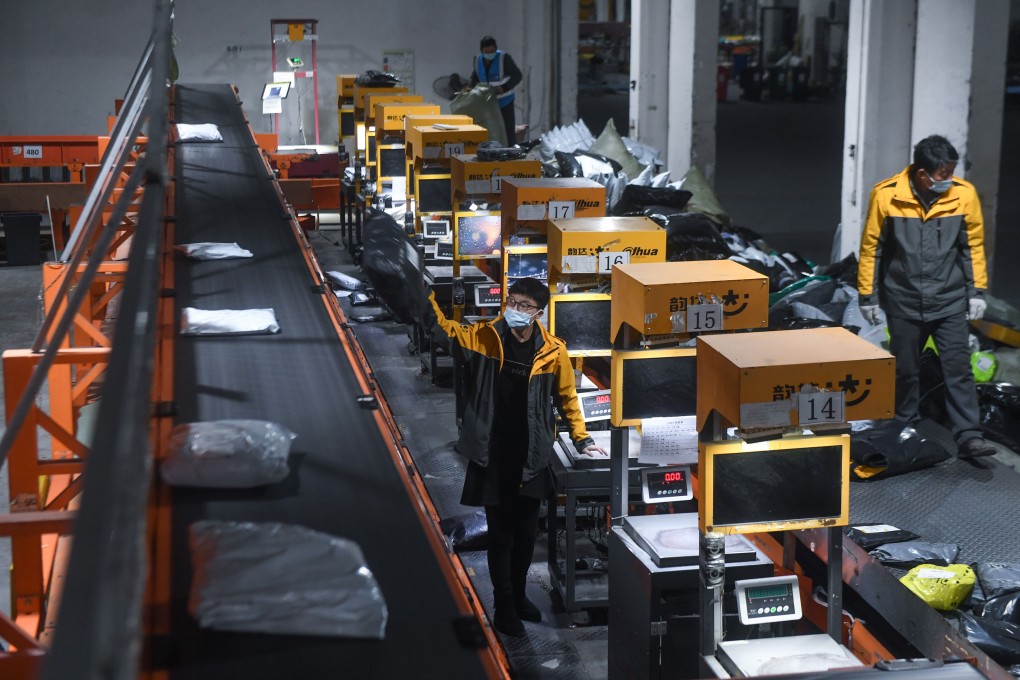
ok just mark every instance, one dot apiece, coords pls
pixel 653 298
pixel 756 380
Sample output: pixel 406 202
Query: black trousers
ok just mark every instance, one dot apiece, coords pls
pixel 513 529
pixel 510 123
pixel 906 341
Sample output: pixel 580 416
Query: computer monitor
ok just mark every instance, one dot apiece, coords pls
pixel 781 484
pixel 477 236
pixel 582 321
pixel 392 160
pixel 525 261
pixel 432 193
pixel 653 383
pixel 280 90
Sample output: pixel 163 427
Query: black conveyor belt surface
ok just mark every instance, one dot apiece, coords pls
pixel 343 480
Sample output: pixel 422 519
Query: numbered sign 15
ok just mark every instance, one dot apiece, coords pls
pixel 608 260
pixel 561 210
pixel 819 408
pixel 705 317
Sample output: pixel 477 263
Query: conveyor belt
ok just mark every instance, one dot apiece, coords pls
pixel 345 482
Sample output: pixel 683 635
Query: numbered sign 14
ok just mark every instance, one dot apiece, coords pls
pixel 820 408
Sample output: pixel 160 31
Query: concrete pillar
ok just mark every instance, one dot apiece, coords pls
pixel 960 63
pixel 943 63
pixel 649 71
pixel 567 68
pixel 917 68
pixel 877 132
pixel 693 64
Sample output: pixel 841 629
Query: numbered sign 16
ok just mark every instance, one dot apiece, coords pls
pixel 704 317
pixel 820 408
pixel 608 260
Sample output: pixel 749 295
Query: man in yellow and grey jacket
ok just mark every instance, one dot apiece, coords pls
pixel 514 372
pixel 922 262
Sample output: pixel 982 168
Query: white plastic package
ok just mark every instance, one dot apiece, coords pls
pixel 282 579
pixel 228 321
pixel 198 132
pixel 346 281
pixel 212 251
pixel 233 454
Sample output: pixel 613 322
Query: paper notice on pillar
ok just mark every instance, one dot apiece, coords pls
pixel 531 212
pixel 283 77
pixel 579 264
pixel 765 414
pixel 272 105
pixel 669 441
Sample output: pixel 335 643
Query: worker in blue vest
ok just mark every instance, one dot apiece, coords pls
pixel 497 68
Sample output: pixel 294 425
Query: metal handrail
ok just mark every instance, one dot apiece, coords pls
pixel 98 634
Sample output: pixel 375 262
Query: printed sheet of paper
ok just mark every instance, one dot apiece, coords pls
pixel 669 441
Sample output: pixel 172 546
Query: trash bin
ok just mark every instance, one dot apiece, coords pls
pixel 801 76
pixel 778 80
pixel 21 234
pixel 722 82
pixel 750 83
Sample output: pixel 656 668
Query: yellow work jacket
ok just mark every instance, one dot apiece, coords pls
pixel 551 380
pixel 920 264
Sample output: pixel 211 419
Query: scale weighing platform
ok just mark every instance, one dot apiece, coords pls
pixel 784 655
pixel 672 540
pixel 582 461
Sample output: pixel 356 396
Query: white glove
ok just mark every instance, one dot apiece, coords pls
pixel 977 309
pixel 872 314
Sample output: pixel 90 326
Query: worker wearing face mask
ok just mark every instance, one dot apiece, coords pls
pixel 922 263
pixel 514 372
pixel 497 68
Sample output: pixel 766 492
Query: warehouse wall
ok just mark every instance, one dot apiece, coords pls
pixel 62 64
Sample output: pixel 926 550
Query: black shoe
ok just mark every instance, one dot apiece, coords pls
pixel 507 622
pixel 528 611
pixel 975 448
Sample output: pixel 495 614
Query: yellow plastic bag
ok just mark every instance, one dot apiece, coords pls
pixel 944 588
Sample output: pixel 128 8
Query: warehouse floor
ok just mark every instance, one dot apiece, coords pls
pixel 778 172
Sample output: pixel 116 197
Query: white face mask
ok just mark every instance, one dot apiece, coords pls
pixel 488 56
pixel 516 319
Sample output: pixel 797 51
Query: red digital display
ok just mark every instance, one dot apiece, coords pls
pixel 494 291
pixel 602 399
pixel 673 477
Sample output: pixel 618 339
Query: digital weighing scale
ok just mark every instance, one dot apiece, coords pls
pixel 672 540
pixel 596 460
pixel 772 600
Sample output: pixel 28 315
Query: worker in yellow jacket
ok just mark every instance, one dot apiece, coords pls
pixel 514 371
pixel 922 263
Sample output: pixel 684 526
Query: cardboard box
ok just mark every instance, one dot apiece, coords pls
pixel 754 380
pixel 374 100
pixel 345 88
pixel 362 91
pixel 428 142
pixel 472 177
pixel 652 298
pixel 526 202
pixel 594 245
pixel 389 116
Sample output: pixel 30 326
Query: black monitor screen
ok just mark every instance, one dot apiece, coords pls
pixel 392 162
pixel 777 485
pixel 524 265
pixel 347 123
pixel 583 324
pixel 478 235
pixel 660 387
pixel 434 195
